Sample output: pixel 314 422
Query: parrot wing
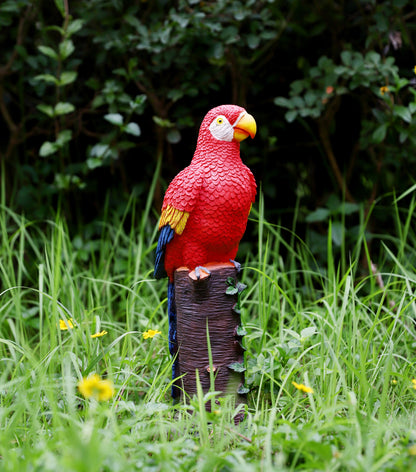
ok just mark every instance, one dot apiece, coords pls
pixel 253 185
pixel 180 199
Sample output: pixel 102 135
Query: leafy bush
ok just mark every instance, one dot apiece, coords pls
pixel 96 97
pixel 81 87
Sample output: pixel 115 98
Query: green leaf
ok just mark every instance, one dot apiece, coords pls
pixel 66 48
pixel 236 309
pixel 403 136
pixel 310 98
pixel 241 331
pixel 173 136
pixel 283 102
pixel 65 181
pixel 165 35
pixel 349 208
pixel 57 28
pixel 61 7
pixel 175 94
pixel 125 145
pixel 63 108
pixel 403 112
pixel 373 57
pixel 242 390
pixel 114 118
pixel 346 57
pixel 292 333
pixel 67 77
pixel 240 287
pixel 237 367
pixel 100 150
pixel 163 123
pixel 48 148
pixel 307 332
pixel 298 102
pixel 320 214
pixel 47 109
pixel 291 115
pixel 231 281
pixel 64 137
pixel 133 129
pixel 218 51
pixel 401 83
pixel 182 20
pixel 94 162
pixel 380 133
pixel 304 112
pixel 74 26
pixel 231 291
pixel 253 41
pixel 47 51
pixel 337 233
pixel 47 78
pixel 297 87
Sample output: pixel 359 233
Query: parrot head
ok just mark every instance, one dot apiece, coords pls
pixel 229 123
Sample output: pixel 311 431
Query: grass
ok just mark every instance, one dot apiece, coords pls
pixel 345 331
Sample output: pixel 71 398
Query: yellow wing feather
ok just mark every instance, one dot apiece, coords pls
pixel 175 218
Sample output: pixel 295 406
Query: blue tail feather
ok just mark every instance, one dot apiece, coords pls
pixel 173 344
pixel 165 237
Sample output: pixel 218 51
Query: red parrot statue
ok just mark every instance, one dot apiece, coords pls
pixel 206 206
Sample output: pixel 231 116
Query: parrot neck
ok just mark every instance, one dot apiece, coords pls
pixel 218 150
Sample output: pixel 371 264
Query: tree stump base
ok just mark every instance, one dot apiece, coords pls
pixel 202 305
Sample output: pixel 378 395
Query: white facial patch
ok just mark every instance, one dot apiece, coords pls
pixel 221 129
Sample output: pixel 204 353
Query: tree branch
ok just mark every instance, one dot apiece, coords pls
pixel 6 69
pixel 323 126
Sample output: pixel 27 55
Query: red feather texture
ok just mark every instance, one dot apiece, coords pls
pixel 214 194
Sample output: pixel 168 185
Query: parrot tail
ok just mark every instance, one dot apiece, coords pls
pixel 173 346
pixel 165 237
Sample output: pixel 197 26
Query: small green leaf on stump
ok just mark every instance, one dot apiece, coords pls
pixel 236 309
pixel 237 367
pixel 242 390
pixel 231 291
pixel 241 287
pixel 241 331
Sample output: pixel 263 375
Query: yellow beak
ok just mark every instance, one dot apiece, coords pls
pixel 245 127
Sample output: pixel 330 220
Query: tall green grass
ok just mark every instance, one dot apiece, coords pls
pixel 343 329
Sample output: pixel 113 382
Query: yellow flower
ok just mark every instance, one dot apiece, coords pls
pixel 414 69
pixel 94 386
pixel 150 333
pixel 98 335
pixel 66 324
pixel 303 388
pixel 412 450
pixel 413 381
pixel 384 89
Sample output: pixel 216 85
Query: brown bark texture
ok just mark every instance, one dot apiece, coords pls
pixel 203 306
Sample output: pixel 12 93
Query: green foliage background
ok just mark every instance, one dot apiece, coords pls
pixel 96 97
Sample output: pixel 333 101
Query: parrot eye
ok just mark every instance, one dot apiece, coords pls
pixel 221 129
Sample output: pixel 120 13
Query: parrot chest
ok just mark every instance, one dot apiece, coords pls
pixel 224 204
